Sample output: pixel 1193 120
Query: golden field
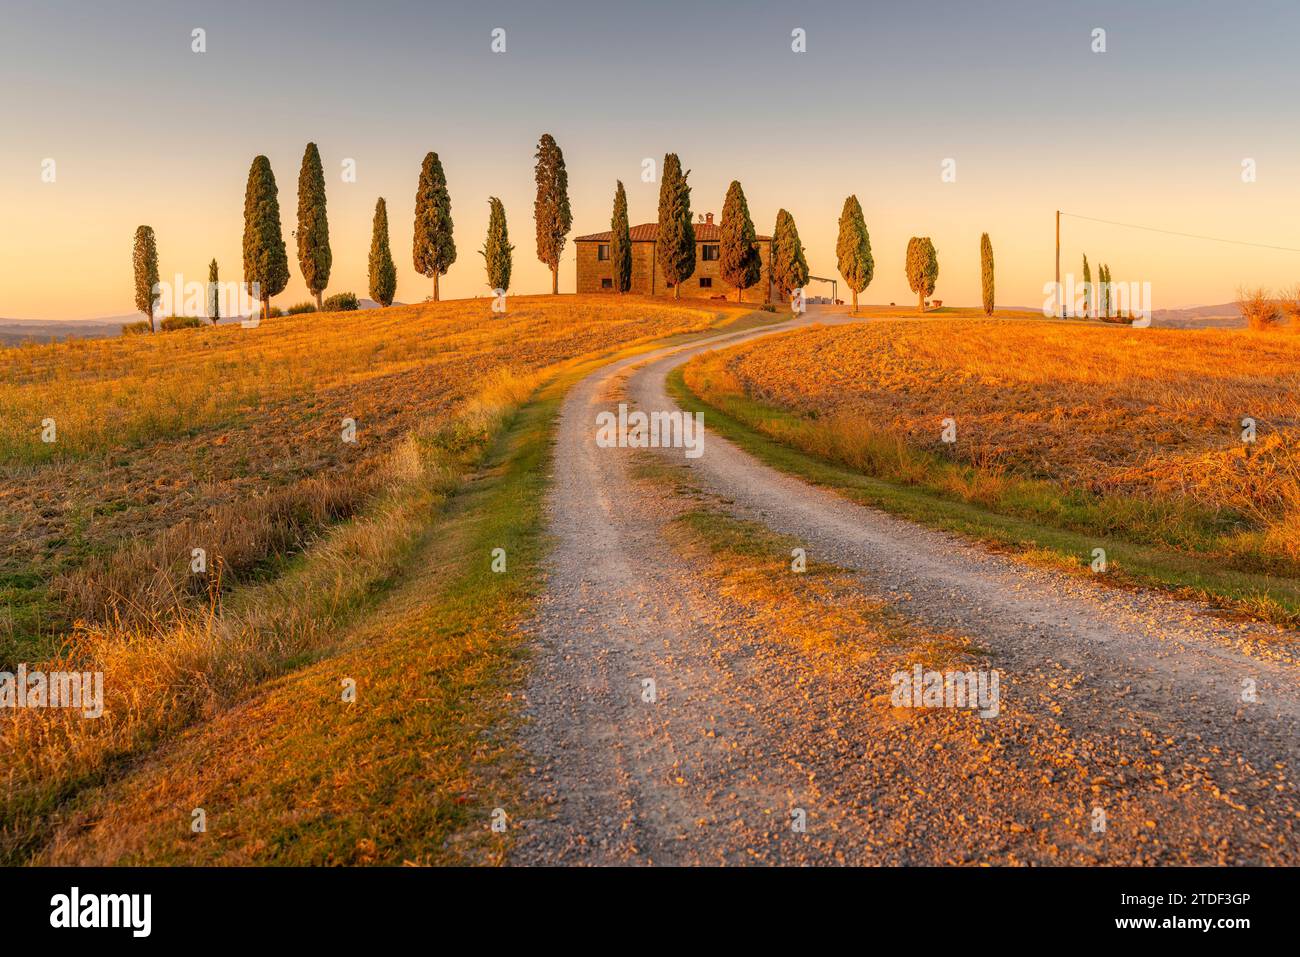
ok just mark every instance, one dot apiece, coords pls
pixel 1096 428
pixel 231 440
pixel 257 470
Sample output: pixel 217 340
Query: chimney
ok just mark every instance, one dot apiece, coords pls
pixel 708 219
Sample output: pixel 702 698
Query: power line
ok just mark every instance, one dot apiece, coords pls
pixel 1172 232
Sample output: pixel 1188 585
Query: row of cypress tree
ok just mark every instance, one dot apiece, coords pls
pixel 433 243
pixel 1103 306
pixel 434 248
pixel 853 250
pixel 739 260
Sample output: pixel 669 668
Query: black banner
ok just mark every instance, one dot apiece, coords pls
pixel 140 907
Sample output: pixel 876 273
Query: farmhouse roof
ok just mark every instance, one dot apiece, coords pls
pixel 649 232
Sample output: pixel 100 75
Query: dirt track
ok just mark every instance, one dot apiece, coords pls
pixel 1125 701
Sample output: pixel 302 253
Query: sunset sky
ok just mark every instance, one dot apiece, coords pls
pixel 1153 131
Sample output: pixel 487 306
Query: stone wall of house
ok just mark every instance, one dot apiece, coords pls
pixel 717 287
pixel 590 270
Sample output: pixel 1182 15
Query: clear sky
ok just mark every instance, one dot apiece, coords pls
pixel 1153 131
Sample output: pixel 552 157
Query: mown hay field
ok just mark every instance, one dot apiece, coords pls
pixel 232 440
pixel 1106 430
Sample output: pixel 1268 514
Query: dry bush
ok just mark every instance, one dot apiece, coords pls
pixel 1290 305
pixel 1258 309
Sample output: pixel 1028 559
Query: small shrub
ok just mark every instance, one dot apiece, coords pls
pixel 136 328
pixel 275 312
pixel 1290 304
pixel 1260 311
pixel 767 307
pixel 341 302
pixel 180 322
pixel 299 308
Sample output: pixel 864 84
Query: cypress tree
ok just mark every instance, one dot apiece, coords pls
pixel 738 259
pixel 1087 286
pixel 1107 302
pixel 434 248
pixel 383 274
pixel 986 272
pixel 922 268
pixel 789 266
pixel 496 248
pixel 853 249
pixel 144 257
pixel 214 293
pixel 314 257
pixel 265 261
pixel 675 248
pixel 620 242
pixel 551 210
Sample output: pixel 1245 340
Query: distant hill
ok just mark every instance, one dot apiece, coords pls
pixel 1224 316
pixel 15 332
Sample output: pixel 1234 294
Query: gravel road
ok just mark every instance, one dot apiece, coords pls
pixel 1128 732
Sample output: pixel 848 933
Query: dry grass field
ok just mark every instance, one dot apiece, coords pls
pixel 1103 430
pixel 231 440
pixel 98 529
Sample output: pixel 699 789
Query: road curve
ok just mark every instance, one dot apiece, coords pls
pixel 1129 733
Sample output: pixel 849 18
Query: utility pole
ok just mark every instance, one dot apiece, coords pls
pixel 1060 312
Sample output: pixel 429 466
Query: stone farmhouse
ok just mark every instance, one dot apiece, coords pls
pixel 595 273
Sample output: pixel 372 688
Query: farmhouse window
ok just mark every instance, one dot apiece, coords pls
pixel 707 281
pixel 602 251
pixel 607 283
pixel 709 252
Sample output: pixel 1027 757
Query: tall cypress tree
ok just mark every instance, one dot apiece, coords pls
pixel 496 248
pixel 434 249
pixel 383 274
pixel 986 272
pixel 1087 286
pixel 853 249
pixel 265 261
pixel 551 210
pixel 675 247
pixel 214 292
pixel 789 266
pixel 922 268
pixel 1107 302
pixel 314 256
pixel 620 242
pixel 144 259
pixel 739 261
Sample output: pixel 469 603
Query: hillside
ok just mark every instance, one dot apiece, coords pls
pixel 240 443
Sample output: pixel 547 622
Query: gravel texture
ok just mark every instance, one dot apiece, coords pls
pixel 1126 703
